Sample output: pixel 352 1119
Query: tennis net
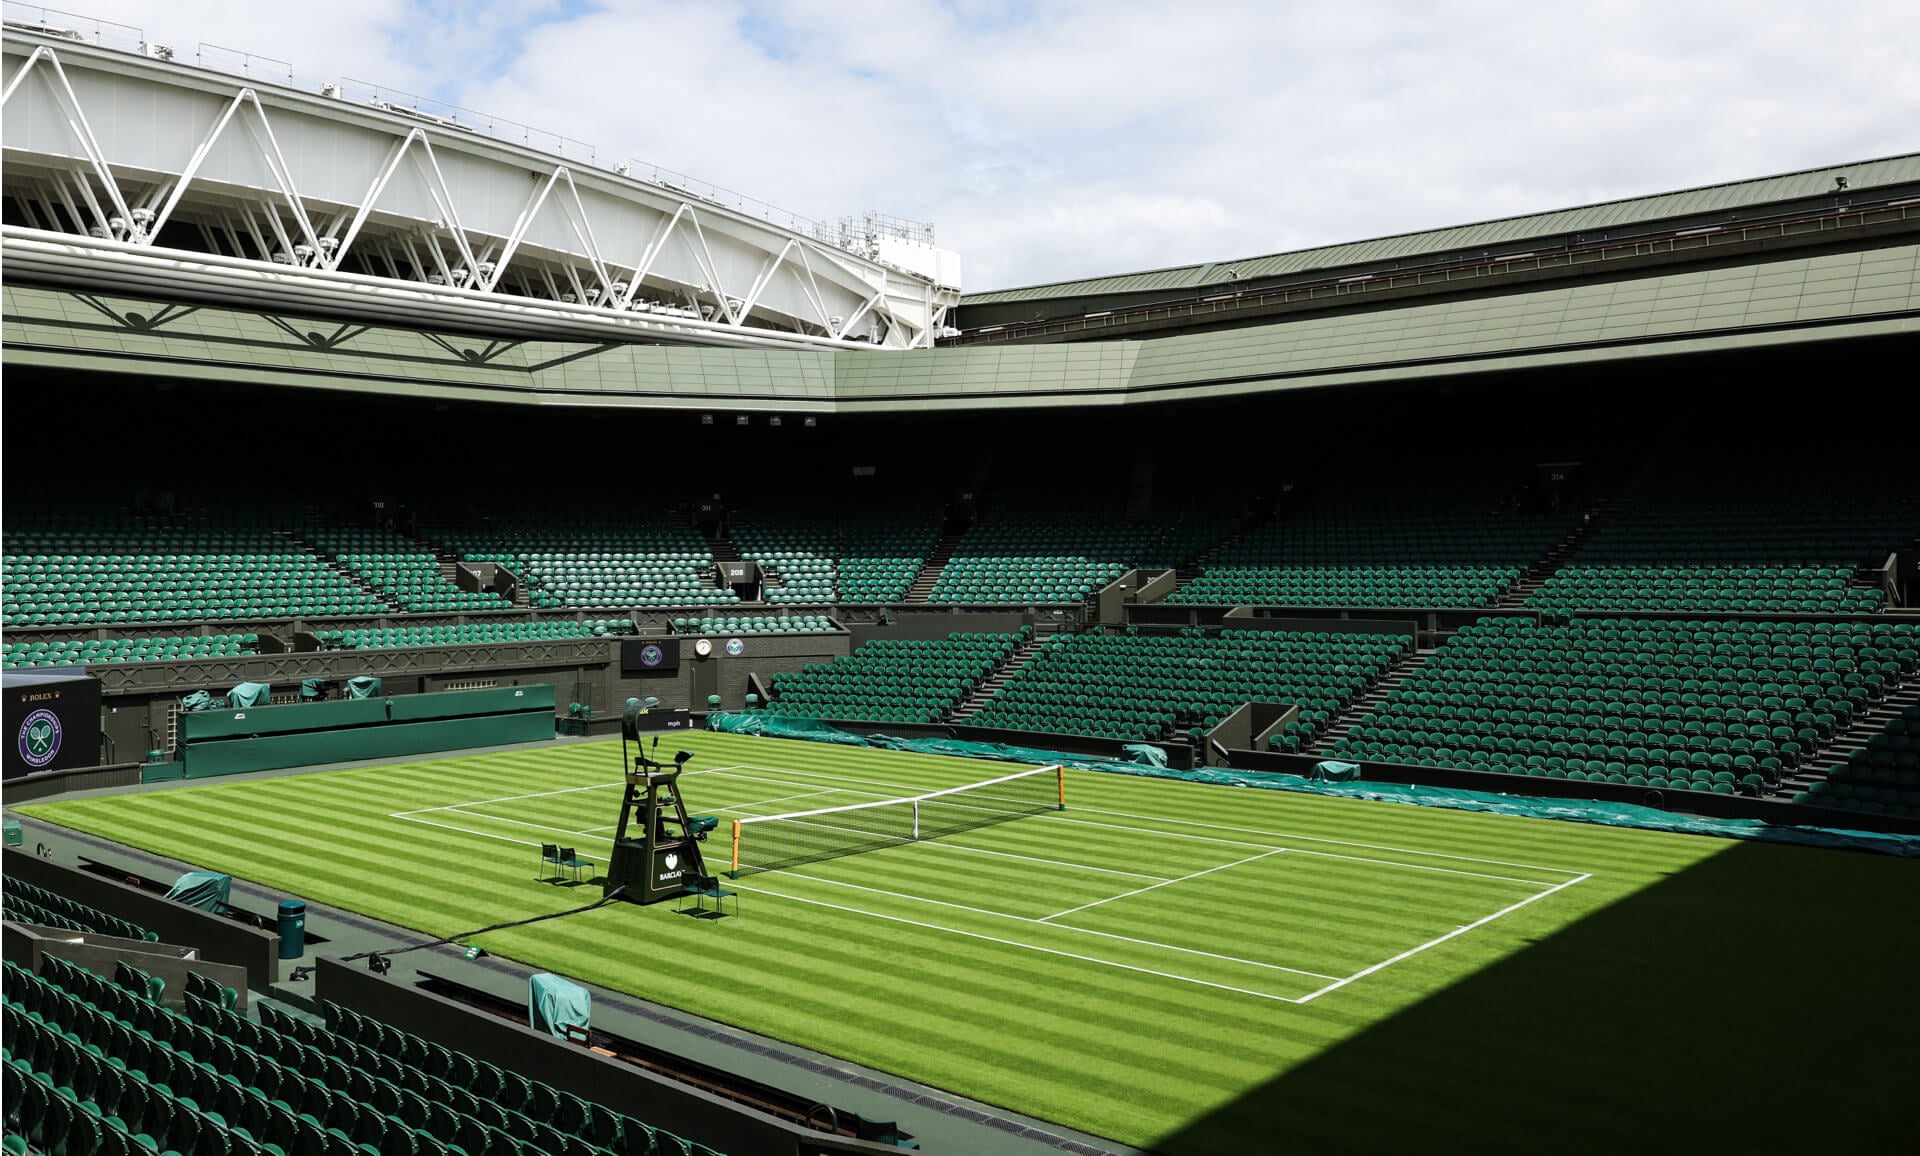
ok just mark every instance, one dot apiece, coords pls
pixel 774 842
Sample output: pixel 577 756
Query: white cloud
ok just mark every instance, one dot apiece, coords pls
pixel 1064 138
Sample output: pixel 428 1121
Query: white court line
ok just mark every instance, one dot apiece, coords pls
pixel 939 843
pixel 1027 946
pixel 1055 926
pixel 781 799
pixel 469 831
pixel 1211 826
pixel 1162 883
pixel 515 822
pixel 730 807
pixel 502 799
pixel 1442 939
pixel 1334 842
pixel 727 772
pixel 1320 854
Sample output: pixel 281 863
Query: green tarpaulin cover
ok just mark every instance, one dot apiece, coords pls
pixel 1145 754
pixel 198 700
pixel 553 1003
pixel 1335 771
pixel 364 686
pixel 203 889
pixel 312 688
pixel 249 694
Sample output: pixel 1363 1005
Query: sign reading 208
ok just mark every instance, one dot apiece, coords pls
pixel 39 738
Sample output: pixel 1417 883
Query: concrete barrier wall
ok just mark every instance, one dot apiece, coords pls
pixel 217 938
pixel 685 1111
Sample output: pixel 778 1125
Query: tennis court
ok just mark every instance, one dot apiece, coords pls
pixel 1122 966
pixel 1145 893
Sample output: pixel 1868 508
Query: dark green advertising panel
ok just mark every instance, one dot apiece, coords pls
pixel 52 721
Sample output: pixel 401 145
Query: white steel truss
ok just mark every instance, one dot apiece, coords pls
pixel 610 253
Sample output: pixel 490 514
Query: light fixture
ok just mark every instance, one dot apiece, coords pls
pixel 774 421
pixel 810 422
pixel 706 419
pixel 740 419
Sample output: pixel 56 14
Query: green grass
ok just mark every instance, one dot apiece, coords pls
pixel 1156 1013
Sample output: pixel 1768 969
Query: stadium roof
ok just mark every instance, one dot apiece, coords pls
pixel 1607 215
pixel 1789 299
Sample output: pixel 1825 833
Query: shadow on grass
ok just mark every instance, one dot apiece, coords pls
pixel 1765 999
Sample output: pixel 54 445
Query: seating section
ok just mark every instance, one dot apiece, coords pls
pixel 755 624
pixel 893 680
pixel 1677 704
pixel 115 569
pixel 25 903
pixel 1046 555
pixel 1882 778
pixel 588 561
pixel 398 568
pixel 92 651
pixel 461 634
pixel 1401 541
pixel 812 560
pixel 1718 538
pixel 1141 686
pixel 99 1067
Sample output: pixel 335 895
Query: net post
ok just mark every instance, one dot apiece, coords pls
pixel 733 872
pixel 1060 774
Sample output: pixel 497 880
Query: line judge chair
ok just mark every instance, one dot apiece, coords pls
pixel 572 862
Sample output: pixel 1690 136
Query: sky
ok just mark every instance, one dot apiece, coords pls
pixel 1054 139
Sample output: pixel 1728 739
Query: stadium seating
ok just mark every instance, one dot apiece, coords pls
pixel 1140 686
pixel 1719 537
pixel 893 680
pixel 457 634
pixel 595 560
pixel 809 558
pixel 83 570
pixel 755 624
pixel 100 1067
pixel 1667 703
pixel 1882 777
pixel 180 648
pixel 1046 554
pixel 26 903
pixel 1429 541
pixel 399 569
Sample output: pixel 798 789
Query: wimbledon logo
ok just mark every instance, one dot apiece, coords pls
pixel 39 738
pixel 650 655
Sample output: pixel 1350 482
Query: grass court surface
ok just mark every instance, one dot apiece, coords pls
pixel 1148 958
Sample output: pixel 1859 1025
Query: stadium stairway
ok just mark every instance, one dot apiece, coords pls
pixel 330 562
pixel 1193 567
pixel 1400 672
pixel 1003 674
pixel 1596 518
pixel 933 567
pixel 1859 732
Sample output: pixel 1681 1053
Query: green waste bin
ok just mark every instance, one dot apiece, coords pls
pixel 293 929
